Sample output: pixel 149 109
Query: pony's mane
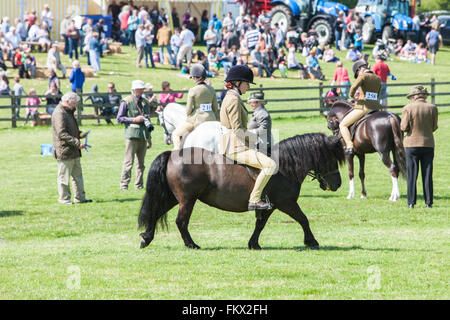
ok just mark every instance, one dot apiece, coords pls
pixel 301 154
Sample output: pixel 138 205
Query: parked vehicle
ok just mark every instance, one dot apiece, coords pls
pixel 306 14
pixel 389 19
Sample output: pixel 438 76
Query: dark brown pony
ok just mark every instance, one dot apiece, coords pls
pixel 185 176
pixel 381 133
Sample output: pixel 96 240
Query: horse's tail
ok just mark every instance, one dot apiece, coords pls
pixel 399 150
pixel 158 197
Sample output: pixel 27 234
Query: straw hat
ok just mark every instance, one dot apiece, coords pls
pixel 137 84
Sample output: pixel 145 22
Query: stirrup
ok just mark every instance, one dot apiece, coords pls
pixel 350 151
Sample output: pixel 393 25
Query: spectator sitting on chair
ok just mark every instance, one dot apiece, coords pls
pixel 44 38
pixel 4 85
pixel 312 66
pixel 76 77
pixel 97 101
pixel 353 54
pixel 31 110
pixel 52 98
pixel 54 59
pixel 258 61
pixel 328 55
pixel 52 77
pixel 113 101
pixel 30 64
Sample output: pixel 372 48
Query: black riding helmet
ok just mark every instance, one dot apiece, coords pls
pixel 358 64
pixel 240 73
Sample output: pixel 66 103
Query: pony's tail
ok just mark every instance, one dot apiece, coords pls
pixel 399 150
pixel 158 197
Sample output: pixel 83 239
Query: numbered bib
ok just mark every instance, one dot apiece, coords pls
pixel 371 96
pixel 206 107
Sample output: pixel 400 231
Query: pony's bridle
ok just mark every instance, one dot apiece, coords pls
pixel 163 124
pixel 321 177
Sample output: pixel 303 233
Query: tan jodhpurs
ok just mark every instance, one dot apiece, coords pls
pixel 348 120
pixel 179 133
pixel 258 160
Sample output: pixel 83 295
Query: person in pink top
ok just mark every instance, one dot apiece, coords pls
pixel 341 79
pixel 169 96
pixel 31 111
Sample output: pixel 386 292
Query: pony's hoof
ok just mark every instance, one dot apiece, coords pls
pixel 363 196
pixel 193 246
pixel 254 246
pixel 144 243
pixel 350 196
pixel 314 247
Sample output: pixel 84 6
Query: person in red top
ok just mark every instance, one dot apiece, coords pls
pixel 381 69
pixel 341 79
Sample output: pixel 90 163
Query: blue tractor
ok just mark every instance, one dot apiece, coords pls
pixel 389 19
pixel 307 14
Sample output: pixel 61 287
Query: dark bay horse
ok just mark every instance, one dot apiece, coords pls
pixel 185 176
pixel 379 133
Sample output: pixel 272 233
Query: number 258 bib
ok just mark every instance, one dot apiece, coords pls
pixel 371 96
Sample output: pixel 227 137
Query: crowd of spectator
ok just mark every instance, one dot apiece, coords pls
pixel 245 39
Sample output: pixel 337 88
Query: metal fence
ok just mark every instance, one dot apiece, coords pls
pixel 319 97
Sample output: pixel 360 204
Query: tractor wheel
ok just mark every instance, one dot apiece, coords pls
pixel 282 15
pixel 388 33
pixel 324 30
pixel 368 31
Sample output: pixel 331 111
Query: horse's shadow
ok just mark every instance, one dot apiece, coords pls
pixel 9 213
pixel 322 248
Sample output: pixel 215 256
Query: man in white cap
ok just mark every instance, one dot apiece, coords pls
pixel 67 147
pixel 134 113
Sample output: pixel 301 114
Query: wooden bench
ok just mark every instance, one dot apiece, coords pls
pixel 31 44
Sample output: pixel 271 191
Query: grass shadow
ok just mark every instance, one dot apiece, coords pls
pixel 119 200
pixel 304 248
pixel 11 213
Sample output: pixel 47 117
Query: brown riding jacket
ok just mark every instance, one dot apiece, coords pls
pixel 234 116
pixel 419 121
pixel 369 85
pixel 201 104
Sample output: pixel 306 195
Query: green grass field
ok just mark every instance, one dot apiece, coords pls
pixel 370 248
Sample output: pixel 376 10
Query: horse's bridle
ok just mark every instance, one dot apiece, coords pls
pixel 163 124
pixel 319 177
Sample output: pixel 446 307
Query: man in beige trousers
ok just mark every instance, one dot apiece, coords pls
pixel 67 150
pixel 134 113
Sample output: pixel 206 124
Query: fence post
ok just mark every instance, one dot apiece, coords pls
pixel 13 110
pixel 79 106
pixel 433 91
pixel 321 104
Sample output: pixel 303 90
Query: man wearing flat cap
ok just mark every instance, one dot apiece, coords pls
pixel 134 113
pixel 419 121
pixel 260 122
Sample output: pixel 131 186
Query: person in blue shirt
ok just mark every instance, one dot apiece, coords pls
pixel 95 49
pixel 76 77
pixel 358 40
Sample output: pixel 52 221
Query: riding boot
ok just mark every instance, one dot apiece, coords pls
pixel 260 205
